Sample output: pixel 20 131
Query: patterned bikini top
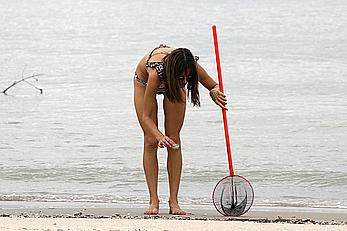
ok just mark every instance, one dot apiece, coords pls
pixel 159 65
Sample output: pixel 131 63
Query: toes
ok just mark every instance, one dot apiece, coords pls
pixel 177 212
pixel 151 211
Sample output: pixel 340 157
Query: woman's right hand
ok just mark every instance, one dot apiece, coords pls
pixel 165 141
pixel 218 97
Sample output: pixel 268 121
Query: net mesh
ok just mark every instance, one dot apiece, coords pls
pixel 233 196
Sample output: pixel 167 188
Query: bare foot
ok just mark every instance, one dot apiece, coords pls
pixel 152 210
pixel 176 210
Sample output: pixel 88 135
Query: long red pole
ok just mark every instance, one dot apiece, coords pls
pixel 225 120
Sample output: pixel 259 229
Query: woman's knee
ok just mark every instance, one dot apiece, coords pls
pixel 151 142
pixel 175 137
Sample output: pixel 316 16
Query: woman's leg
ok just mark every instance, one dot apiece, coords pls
pixel 174 117
pixel 150 162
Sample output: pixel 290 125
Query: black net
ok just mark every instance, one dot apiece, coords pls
pixel 233 196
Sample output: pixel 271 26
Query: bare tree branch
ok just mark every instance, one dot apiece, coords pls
pixel 24 79
pixel 40 89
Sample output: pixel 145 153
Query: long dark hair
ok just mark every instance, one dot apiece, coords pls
pixel 176 63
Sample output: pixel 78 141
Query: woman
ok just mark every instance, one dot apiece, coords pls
pixel 175 74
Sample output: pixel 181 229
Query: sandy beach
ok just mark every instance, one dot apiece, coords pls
pixel 71 146
pixel 133 219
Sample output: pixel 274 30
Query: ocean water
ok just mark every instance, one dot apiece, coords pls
pixel 79 143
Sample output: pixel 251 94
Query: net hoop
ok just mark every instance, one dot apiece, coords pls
pixel 244 180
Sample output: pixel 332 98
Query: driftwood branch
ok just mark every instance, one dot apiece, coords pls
pixel 24 79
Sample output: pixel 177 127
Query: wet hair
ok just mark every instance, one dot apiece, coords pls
pixel 178 62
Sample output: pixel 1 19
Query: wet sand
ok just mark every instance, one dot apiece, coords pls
pixel 196 219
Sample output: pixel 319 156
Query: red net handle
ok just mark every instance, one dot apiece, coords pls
pixel 225 120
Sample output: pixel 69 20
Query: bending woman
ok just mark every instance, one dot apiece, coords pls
pixel 176 74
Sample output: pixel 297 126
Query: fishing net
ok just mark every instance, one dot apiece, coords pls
pixel 233 196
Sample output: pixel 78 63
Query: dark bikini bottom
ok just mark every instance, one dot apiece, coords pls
pixel 161 89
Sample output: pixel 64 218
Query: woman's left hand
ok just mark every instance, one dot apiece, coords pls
pixel 218 97
pixel 165 141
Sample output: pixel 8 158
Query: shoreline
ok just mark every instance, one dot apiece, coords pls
pixel 112 205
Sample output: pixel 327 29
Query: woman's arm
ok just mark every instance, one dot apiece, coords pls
pixel 150 126
pixel 207 81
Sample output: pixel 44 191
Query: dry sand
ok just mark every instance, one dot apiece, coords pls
pixel 146 224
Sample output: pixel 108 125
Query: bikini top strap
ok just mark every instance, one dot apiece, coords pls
pixel 150 54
